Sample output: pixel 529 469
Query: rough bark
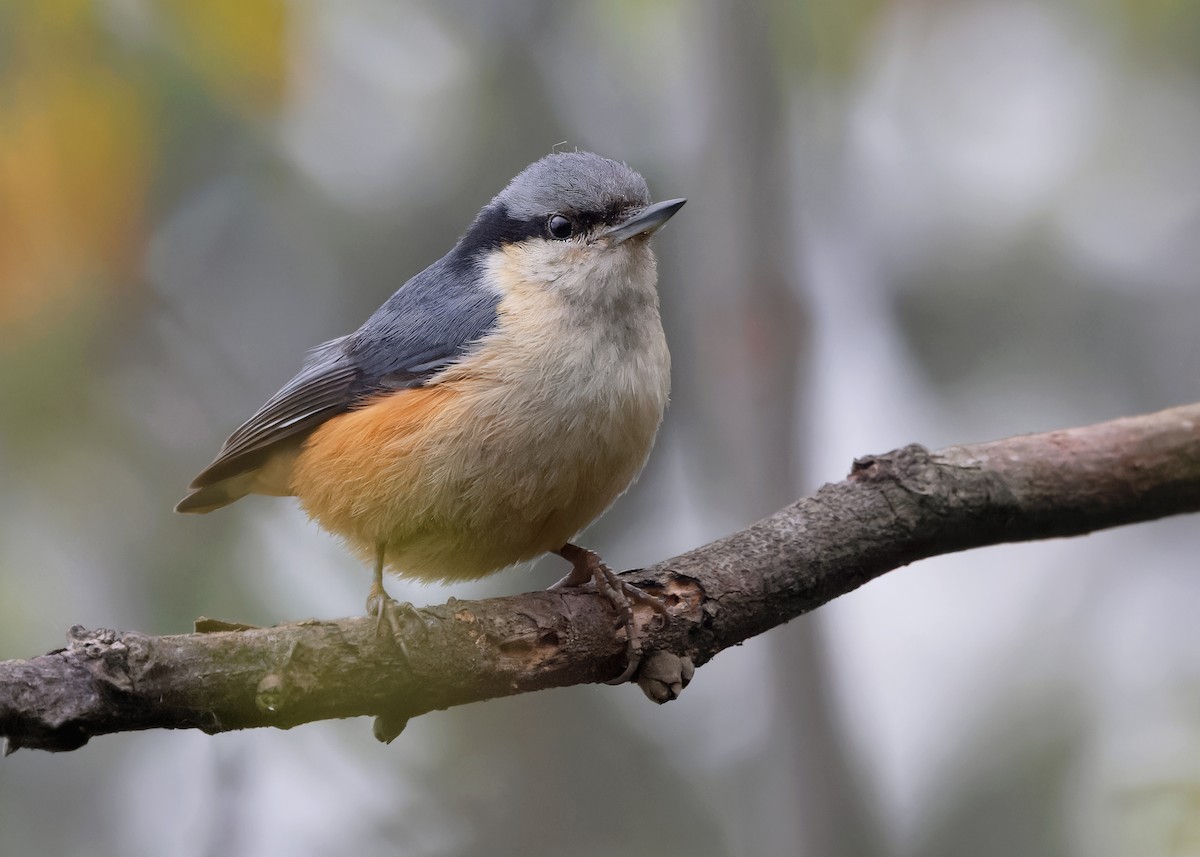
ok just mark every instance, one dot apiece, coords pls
pixel 893 509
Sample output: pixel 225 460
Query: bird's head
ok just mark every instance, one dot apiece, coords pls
pixel 573 222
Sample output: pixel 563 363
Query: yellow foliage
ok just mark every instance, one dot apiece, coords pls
pixel 237 46
pixel 74 147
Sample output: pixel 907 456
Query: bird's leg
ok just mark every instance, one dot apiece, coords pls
pixel 587 567
pixel 388 612
pixel 391 615
pixel 377 598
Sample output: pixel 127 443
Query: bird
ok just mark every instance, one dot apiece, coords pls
pixel 494 406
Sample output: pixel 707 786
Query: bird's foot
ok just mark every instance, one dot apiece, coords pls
pixel 397 617
pixel 400 618
pixel 589 568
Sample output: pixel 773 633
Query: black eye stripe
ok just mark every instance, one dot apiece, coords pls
pixel 495 227
pixel 492 229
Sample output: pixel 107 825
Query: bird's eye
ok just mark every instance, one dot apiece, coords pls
pixel 559 227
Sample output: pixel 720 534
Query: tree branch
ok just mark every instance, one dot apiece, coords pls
pixel 893 509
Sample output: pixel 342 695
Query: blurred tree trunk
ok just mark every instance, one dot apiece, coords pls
pixel 740 380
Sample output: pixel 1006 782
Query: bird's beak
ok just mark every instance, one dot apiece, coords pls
pixel 644 222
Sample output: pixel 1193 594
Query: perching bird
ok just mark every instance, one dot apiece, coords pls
pixel 494 406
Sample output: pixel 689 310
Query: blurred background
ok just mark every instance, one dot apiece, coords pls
pixel 933 222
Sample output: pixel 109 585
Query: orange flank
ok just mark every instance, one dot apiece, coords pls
pixel 357 469
pixel 444 480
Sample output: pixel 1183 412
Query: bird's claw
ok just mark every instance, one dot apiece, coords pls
pixel 590 569
pixel 397 618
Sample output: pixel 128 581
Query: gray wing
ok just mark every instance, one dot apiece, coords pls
pixel 320 390
pixel 426 325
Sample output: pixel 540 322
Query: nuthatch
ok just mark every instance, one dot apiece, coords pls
pixel 494 406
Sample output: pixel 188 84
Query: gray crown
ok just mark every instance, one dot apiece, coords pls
pixel 572 181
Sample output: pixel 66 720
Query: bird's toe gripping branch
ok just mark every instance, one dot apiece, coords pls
pixel 589 568
pixel 398 618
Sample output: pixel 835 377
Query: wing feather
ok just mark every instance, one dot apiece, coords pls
pixel 320 390
pixel 426 325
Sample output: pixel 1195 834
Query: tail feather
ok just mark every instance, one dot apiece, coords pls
pixel 206 498
pixel 272 475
